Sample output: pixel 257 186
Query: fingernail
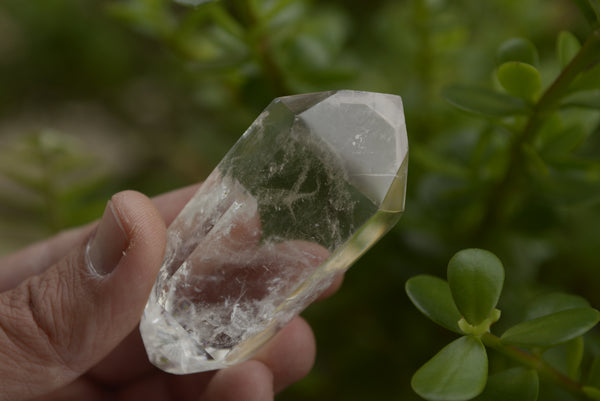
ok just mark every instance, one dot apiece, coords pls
pixel 107 246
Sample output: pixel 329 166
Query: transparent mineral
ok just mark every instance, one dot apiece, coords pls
pixel 310 186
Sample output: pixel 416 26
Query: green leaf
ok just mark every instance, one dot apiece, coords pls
pixel 517 49
pixel 567 46
pixel 592 392
pixel 476 277
pixel 554 302
pixel 589 99
pixel 558 141
pixel 593 378
pixel 566 357
pixel 431 295
pixel 595 5
pixel 512 384
pixel 588 12
pixel 484 101
pixel 588 80
pixel 434 162
pixel 553 329
pixel 457 372
pixel 534 161
pixel 520 79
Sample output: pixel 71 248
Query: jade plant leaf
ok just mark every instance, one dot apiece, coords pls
pixel 566 357
pixel 512 384
pixel 586 8
pixel 554 302
pixel 553 329
pixel 458 372
pixel 567 47
pixel 592 392
pixel 517 49
pixel 476 277
pixel 484 101
pixel 520 79
pixel 431 295
pixel 588 80
pixel 593 378
pixel 589 99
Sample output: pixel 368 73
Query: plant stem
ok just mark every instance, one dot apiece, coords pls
pixel 500 195
pixel 258 40
pixel 535 362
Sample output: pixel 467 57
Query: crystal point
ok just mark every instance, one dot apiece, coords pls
pixel 313 183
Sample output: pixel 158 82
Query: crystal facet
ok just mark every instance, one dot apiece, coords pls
pixel 310 186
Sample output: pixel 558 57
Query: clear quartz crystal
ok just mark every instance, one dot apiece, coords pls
pixel 313 183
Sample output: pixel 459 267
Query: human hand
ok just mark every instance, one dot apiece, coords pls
pixel 69 332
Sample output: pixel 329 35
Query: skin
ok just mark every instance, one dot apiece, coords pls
pixel 67 333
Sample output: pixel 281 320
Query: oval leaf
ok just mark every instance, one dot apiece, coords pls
pixel 553 329
pixel 554 302
pixel 534 161
pixel 484 101
pixel 593 378
pixel 592 392
pixel 512 384
pixel 589 99
pixel 588 80
pixel 585 7
pixel 567 47
pixel 431 295
pixel 457 372
pixel 566 357
pixel 559 142
pixel 475 277
pixel 520 79
pixel 517 49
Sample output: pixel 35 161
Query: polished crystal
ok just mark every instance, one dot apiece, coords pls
pixel 311 185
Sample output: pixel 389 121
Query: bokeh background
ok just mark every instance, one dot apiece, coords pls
pixel 101 96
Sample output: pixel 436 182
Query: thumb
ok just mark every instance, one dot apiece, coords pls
pixel 55 326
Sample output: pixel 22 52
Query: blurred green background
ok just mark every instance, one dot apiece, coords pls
pixel 97 97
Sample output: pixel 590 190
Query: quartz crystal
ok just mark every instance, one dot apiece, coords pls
pixel 311 185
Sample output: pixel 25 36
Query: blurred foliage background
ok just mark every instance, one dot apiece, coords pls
pixel 97 97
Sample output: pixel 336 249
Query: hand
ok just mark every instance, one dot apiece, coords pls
pixel 68 331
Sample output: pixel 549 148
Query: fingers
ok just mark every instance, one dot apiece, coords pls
pixel 332 289
pixel 55 326
pixel 80 389
pixel 290 355
pixel 248 381
pixel 126 363
pixel 287 358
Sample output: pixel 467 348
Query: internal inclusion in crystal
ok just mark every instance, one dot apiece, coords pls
pixel 310 186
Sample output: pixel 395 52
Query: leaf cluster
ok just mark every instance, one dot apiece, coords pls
pixel 465 304
pixel 286 46
pixel 540 125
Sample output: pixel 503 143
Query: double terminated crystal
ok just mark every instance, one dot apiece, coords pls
pixel 311 185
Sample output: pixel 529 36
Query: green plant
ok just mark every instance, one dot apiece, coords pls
pixel 544 127
pixel 173 86
pixel 548 343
